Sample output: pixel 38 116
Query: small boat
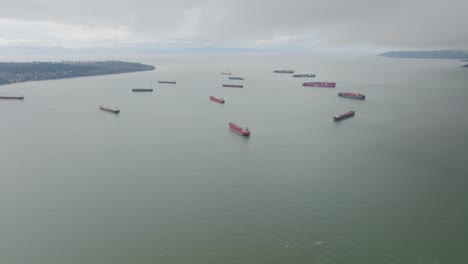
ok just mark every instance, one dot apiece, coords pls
pixel 304 75
pixel 226 73
pixel 284 71
pixel 169 82
pixel 358 96
pixel 320 84
pixel 12 97
pixel 219 100
pixel 142 90
pixel 110 110
pixel 233 85
pixel 339 117
pixel 236 78
pixel 239 130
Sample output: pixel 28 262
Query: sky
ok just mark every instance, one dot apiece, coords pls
pixel 178 25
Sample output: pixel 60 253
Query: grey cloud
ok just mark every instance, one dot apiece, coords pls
pixel 398 23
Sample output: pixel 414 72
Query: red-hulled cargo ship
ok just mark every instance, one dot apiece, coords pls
pixel 320 84
pixel 233 85
pixel 339 117
pixel 239 130
pixel 12 97
pixel 110 110
pixel 358 96
pixel 219 100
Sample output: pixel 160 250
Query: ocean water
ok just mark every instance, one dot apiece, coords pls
pixel 166 181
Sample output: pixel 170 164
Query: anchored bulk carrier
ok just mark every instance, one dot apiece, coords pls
pixel 239 130
pixel 284 71
pixel 142 90
pixel 358 96
pixel 110 110
pixel 233 85
pixel 343 116
pixel 12 97
pixel 304 75
pixel 219 100
pixel 320 84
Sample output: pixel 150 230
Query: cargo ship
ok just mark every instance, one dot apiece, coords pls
pixel 142 90
pixel 219 100
pixel 304 75
pixel 339 117
pixel 320 84
pixel 226 73
pixel 233 85
pixel 239 130
pixel 358 96
pixel 170 82
pixel 236 78
pixel 284 71
pixel 12 97
pixel 110 110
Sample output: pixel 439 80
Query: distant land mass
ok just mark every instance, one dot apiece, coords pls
pixel 14 72
pixel 434 54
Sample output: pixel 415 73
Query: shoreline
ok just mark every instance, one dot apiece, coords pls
pixel 20 72
pixel 74 77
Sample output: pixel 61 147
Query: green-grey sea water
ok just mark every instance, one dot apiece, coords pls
pixel 167 182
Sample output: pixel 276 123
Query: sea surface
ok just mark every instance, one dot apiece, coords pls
pixel 166 181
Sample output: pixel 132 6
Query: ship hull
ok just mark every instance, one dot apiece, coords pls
pixel 236 78
pixel 142 90
pixel 320 84
pixel 233 86
pixel 239 130
pixel 344 116
pixel 218 100
pixel 304 75
pixel 284 71
pixel 167 82
pixel 12 97
pixel 356 96
pixel 114 111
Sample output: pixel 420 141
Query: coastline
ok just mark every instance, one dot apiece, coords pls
pixel 73 77
pixel 18 72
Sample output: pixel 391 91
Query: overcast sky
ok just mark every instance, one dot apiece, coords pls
pixel 179 24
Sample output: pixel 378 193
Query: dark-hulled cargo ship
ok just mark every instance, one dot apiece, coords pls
pixel 284 71
pixel 304 75
pixel 142 90
pixel 168 82
pixel 233 85
pixel 343 116
pixel 110 110
pixel 12 97
pixel 358 96
pixel 320 84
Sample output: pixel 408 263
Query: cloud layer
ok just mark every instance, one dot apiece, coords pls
pixel 234 23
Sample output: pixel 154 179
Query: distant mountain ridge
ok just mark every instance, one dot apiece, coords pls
pixel 431 54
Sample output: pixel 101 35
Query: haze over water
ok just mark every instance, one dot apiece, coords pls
pixel 167 182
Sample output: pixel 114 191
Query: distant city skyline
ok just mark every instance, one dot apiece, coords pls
pixel 208 25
